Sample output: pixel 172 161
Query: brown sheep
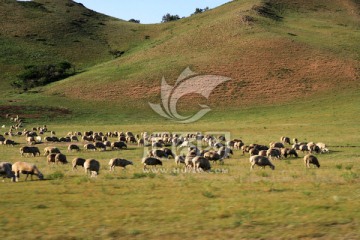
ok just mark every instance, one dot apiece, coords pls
pixel 26 168
pixel 92 167
pixel 311 159
pixel 78 162
pixel 260 161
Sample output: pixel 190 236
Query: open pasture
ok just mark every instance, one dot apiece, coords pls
pixel 165 202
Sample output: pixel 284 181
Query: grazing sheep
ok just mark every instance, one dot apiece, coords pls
pixel 118 145
pixel 151 161
pixel 92 167
pixel 100 145
pixel 323 148
pixel 201 164
pixel 180 159
pixel 253 151
pixel 60 158
pixel 74 138
pixel 158 153
pixel 260 161
pixel 73 147
pixel 6 171
pixel 285 140
pixel 49 150
pixel 311 159
pixel 273 152
pixel 238 145
pixel 29 150
pixel 262 153
pixel 78 162
pixel 288 152
pixel 119 162
pixel 26 168
pixel 51 158
pixel 9 142
pixel 276 145
pixel 213 156
pixel 303 148
pixel 90 146
pixel 169 152
pixel 225 152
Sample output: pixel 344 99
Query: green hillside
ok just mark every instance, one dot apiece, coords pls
pixel 275 52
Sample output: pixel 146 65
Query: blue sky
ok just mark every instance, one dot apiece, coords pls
pixel 148 11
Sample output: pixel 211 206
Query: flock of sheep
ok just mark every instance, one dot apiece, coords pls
pixel 189 146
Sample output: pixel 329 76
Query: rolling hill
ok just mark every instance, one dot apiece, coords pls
pixel 275 52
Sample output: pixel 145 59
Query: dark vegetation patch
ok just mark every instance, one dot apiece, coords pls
pixel 267 10
pixel 33 112
pixel 33 5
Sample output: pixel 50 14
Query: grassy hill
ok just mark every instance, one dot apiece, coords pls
pixel 43 32
pixel 275 52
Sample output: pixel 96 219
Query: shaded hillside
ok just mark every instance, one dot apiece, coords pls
pixel 50 31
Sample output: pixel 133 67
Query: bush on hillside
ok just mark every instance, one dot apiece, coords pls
pixel 134 20
pixel 168 18
pixel 40 75
pixel 200 10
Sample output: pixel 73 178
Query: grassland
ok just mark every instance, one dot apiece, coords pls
pixel 295 76
pixel 231 202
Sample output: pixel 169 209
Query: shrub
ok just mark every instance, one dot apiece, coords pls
pixel 40 75
pixel 168 18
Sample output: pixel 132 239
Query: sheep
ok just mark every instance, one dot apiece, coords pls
pixel 100 145
pixel 253 151
pixel 6 171
pixel 276 145
pixel 29 150
pixel 49 150
pixel 90 146
pixel 26 168
pixel 9 142
pixel 51 158
pixel 311 159
pixel 273 152
pixel 151 161
pixel 213 156
pixel 180 159
pixel 168 152
pixel 78 162
pixel 285 140
pixel 73 147
pixel 303 148
pixel 158 153
pixel 322 147
pixel 92 167
pixel 118 145
pixel 225 152
pixel 288 152
pixel 201 164
pixel 260 161
pixel 119 162
pixel 60 158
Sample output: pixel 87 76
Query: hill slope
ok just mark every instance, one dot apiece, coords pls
pixel 280 51
pixel 50 31
pixel 274 52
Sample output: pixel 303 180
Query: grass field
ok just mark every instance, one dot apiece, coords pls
pixel 230 202
pixel 294 69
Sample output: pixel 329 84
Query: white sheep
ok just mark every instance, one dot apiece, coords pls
pixel 26 168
